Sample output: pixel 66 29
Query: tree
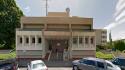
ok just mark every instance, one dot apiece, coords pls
pixel 119 45
pixel 10 16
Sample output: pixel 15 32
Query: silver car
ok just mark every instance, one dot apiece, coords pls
pixel 91 63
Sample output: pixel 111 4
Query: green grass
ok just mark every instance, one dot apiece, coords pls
pixel 103 55
pixel 7 56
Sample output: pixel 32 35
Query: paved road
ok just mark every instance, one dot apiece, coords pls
pixel 53 68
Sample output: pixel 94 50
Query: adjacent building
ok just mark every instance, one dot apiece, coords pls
pixel 57 36
pixel 101 37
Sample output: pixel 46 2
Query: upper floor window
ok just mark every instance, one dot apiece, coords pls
pixel 33 39
pixel 20 40
pixel 86 40
pixel 92 40
pixel 80 40
pixel 39 40
pixel 75 40
pixel 103 36
pixel 27 40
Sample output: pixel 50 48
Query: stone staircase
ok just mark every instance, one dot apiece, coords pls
pixel 56 60
pixel 56 56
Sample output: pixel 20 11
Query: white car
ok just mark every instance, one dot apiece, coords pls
pixel 37 65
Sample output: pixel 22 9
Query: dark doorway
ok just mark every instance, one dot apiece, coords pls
pixel 57 47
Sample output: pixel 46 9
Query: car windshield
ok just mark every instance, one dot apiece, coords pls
pixel 109 63
pixel 119 61
pixel 38 65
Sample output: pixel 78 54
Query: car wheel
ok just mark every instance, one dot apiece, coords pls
pixel 75 68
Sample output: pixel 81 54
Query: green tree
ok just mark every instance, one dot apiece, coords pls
pixel 9 19
pixel 119 45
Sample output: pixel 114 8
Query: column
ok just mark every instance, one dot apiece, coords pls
pixel 77 41
pixel 70 47
pixel 23 40
pixel 83 41
pixel 89 39
pixel 29 40
pixel 43 45
pixel 35 40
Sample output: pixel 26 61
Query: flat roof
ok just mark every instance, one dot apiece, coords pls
pixel 56 20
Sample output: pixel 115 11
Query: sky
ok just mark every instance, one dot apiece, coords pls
pixel 103 12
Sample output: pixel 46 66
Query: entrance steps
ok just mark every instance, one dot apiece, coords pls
pixel 58 63
pixel 56 57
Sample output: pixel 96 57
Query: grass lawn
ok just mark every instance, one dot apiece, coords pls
pixel 8 56
pixel 103 55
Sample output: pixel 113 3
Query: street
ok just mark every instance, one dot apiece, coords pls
pixel 53 68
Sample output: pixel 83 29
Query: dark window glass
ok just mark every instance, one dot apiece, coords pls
pixel 86 40
pixel 92 40
pixel 103 36
pixel 120 62
pixel 39 40
pixel 20 39
pixel 33 40
pixel 109 65
pixel 89 62
pixel 80 40
pixel 74 40
pixel 27 40
pixel 100 64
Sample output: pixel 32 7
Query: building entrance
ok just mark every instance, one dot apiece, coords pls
pixel 57 48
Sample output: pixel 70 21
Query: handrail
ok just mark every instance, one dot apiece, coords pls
pixel 49 55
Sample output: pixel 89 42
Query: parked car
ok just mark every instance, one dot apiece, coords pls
pixel 8 66
pixel 91 63
pixel 37 65
pixel 120 61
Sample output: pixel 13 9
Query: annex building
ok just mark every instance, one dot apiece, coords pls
pixel 58 36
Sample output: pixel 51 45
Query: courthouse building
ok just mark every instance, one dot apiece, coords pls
pixel 56 35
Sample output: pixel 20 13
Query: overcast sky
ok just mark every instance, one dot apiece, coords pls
pixel 102 11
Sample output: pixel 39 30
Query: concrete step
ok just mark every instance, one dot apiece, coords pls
pixel 58 63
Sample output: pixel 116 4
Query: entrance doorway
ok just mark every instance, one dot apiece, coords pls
pixel 57 48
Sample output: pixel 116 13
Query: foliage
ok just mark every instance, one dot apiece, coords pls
pixel 103 55
pixel 1 46
pixel 9 19
pixel 119 45
pixel 101 46
pixel 8 56
pixel 97 49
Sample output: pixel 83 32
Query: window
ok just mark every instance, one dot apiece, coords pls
pixel 39 40
pixel 109 65
pixel 33 40
pixel 20 40
pixel 27 40
pixel 80 40
pixel 104 32
pixel 86 40
pixel 100 65
pixel 89 62
pixel 75 40
pixel 92 40
pixel 103 36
